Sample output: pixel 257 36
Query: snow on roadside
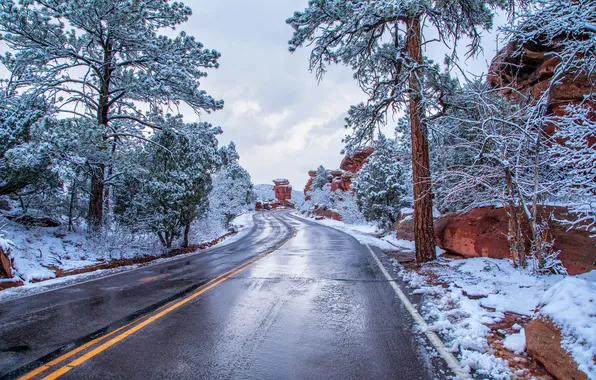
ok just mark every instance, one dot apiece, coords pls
pixel 462 323
pixel 35 250
pixel 516 342
pixel 478 293
pixel 243 223
pixel 571 305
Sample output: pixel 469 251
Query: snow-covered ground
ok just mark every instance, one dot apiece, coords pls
pixel 478 293
pixel 571 305
pixel 462 297
pixel 366 234
pixel 36 249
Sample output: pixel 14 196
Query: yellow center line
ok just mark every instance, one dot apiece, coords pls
pixel 92 342
pixel 67 355
pixel 160 312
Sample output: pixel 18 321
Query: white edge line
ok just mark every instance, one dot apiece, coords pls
pixel 451 361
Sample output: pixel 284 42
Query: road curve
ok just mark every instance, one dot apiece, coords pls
pixel 299 300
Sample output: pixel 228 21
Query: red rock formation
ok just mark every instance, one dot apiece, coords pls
pixel 543 342
pixel 273 205
pixel 482 232
pixel 324 212
pixel 355 162
pixel 283 195
pixel 308 187
pixel 5 264
pixel 282 189
pixel 530 74
pixel 341 179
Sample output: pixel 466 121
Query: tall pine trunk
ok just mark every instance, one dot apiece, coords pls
pixel 424 235
pixel 186 233
pixel 96 200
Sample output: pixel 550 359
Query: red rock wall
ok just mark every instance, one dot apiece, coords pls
pixel 341 179
pixel 543 342
pixel 530 74
pixel 482 232
pixel 355 162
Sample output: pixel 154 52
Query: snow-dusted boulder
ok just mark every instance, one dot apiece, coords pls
pixel 482 232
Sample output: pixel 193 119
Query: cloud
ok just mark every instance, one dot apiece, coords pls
pixel 282 121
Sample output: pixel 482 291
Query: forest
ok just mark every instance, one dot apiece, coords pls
pixel 91 128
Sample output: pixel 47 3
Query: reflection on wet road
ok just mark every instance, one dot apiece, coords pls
pixel 293 299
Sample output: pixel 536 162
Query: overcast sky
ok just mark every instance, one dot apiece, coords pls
pixel 283 122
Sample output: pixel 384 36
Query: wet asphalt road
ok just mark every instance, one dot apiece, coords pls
pixel 315 307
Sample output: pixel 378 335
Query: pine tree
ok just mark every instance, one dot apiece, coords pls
pixel 100 60
pixel 382 42
pixel 320 178
pixel 233 191
pixel 169 187
pixel 23 162
pixel 380 186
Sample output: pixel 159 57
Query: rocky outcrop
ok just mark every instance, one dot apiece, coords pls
pixel 354 163
pixel 308 187
pixel 482 232
pixel 543 342
pixel 282 189
pixel 5 264
pixel 273 205
pixel 527 71
pixel 323 212
pixel 283 194
pixel 31 221
pixel 341 179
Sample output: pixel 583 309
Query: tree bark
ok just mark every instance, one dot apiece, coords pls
pixel 96 199
pixel 73 195
pixel 424 235
pixel 516 237
pixel 186 233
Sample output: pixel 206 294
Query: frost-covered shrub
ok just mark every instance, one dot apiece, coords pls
pixel 232 193
pixel 345 204
pixel 380 186
pixel 264 192
pixel 320 178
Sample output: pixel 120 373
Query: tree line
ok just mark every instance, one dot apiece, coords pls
pixel 90 120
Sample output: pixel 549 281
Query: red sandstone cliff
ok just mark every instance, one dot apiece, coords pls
pixel 341 179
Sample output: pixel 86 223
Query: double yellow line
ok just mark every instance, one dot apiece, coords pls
pixel 136 325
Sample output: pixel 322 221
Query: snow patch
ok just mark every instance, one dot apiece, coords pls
pixel 516 342
pixel 571 305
